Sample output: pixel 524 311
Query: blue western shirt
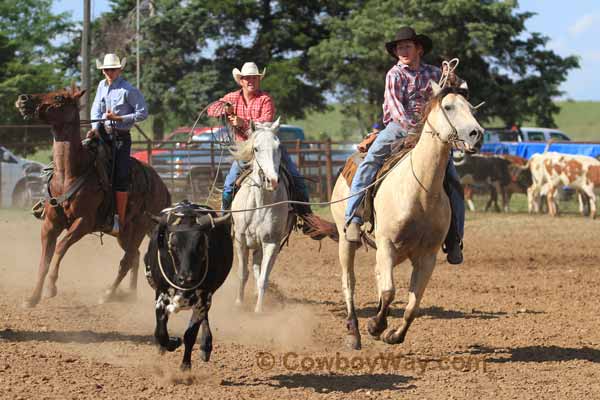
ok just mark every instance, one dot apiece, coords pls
pixel 122 99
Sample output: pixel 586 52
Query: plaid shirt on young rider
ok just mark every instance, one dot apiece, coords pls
pixel 259 109
pixel 406 93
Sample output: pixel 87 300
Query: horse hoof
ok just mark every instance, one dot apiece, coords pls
pixel 51 292
pixel 205 355
pixel 375 329
pixel 31 302
pixel 174 343
pixel 352 342
pixel 185 366
pixel 391 337
pixel 239 302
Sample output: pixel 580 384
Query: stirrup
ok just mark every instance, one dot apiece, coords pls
pixel 38 209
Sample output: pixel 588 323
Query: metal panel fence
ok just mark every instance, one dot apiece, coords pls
pixel 190 171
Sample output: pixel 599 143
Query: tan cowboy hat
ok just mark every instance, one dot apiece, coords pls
pixel 111 61
pixel 248 69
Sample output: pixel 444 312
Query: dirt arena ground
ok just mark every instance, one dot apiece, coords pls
pixel 518 320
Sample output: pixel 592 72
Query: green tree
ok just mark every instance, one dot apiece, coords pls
pixel 28 58
pixel 190 48
pixel 509 68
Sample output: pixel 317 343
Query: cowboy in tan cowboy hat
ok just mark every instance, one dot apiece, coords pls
pixel 252 104
pixel 122 105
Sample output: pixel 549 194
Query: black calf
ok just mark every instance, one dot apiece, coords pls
pixel 189 257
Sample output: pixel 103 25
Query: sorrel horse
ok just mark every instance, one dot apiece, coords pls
pixel 78 213
pixel 412 213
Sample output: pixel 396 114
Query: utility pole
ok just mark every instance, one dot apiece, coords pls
pixel 137 44
pixel 85 61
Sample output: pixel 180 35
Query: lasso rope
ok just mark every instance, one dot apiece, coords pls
pixel 448 68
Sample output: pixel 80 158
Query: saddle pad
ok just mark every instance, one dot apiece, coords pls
pixel 400 148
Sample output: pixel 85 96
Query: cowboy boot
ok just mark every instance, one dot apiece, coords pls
pixel 353 232
pixel 453 246
pixel 121 198
pixel 226 200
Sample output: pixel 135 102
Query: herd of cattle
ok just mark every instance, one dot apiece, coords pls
pixel 544 175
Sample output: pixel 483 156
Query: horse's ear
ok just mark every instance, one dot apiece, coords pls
pixel 435 88
pixel 77 95
pixel 252 126
pixel 464 85
pixel 275 125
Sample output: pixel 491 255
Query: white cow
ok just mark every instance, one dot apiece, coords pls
pixel 551 171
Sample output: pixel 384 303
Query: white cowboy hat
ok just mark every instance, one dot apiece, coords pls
pixel 111 61
pixel 248 69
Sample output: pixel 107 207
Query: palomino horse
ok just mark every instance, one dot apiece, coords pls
pixel 260 230
pixel 78 213
pixel 412 213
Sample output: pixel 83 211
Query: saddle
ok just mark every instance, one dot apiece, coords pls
pixel 400 148
pixel 291 192
pixel 102 166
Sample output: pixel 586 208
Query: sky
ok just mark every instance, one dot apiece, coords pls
pixel 572 27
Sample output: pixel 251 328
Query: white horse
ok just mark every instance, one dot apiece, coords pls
pixel 260 230
pixel 412 213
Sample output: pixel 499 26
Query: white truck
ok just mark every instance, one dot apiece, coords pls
pixel 21 182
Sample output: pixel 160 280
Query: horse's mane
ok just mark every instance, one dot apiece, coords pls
pixel 69 95
pixel 244 151
pixel 434 101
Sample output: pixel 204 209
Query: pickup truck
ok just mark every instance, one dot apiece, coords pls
pixel 21 182
pixel 524 134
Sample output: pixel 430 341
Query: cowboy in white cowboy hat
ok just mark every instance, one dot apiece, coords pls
pixel 122 105
pixel 406 92
pixel 252 104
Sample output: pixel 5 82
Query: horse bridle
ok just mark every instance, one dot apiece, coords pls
pixel 170 229
pixel 453 137
pixel 261 172
pixel 60 101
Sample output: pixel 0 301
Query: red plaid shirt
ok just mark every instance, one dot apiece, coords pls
pixel 406 92
pixel 259 109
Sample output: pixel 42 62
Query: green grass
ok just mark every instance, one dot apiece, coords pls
pixel 518 204
pixel 44 156
pixel 332 124
pixel 579 119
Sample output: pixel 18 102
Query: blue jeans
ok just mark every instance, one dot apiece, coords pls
pixel 232 175
pixel 122 161
pixel 365 174
pixel 378 152
pixel 236 170
pixel 457 200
